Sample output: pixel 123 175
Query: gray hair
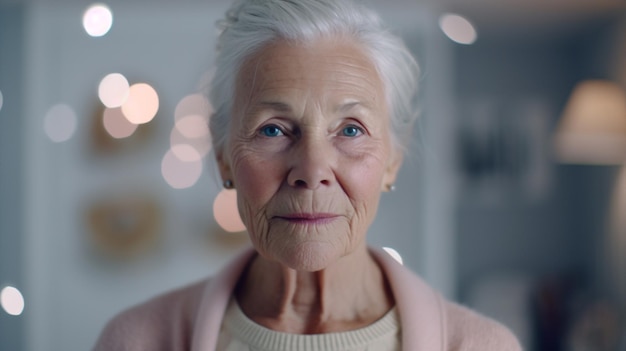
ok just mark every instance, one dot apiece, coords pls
pixel 249 25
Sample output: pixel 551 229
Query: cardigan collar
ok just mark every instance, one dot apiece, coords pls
pixel 420 307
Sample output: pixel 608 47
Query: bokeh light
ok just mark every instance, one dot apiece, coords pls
pixel 116 124
pixel 190 139
pixel 1 100
pixel 180 174
pixel 12 301
pixel 194 104
pixel 458 28
pixel 393 253
pixel 60 123
pixel 113 90
pixel 181 145
pixel 186 152
pixel 97 20
pixel 193 126
pixel 142 103
pixel 226 213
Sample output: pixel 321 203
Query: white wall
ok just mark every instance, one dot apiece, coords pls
pixel 71 290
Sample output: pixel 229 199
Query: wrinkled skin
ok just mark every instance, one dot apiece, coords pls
pixel 309 152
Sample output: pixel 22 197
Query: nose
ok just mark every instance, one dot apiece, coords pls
pixel 311 164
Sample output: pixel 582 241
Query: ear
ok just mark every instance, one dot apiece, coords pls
pixel 223 163
pixel 391 169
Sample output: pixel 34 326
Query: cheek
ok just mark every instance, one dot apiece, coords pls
pixel 363 161
pixel 364 174
pixel 256 181
pixel 362 184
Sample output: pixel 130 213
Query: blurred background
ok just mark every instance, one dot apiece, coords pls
pixel 512 199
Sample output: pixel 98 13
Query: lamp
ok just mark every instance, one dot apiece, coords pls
pixel 592 129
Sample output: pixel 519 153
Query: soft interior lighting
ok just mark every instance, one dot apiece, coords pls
pixel 186 152
pixel 458 28
pixel 592 129
pixel 1 100
pixel 194 104
pixel 181 146
pixel 113 90
pixel 12 301
pixel 116 124
pixel 60 123
pixel 142 104
pixel 180 174
pixel 97 20
pixel 226 213
pixel 193 126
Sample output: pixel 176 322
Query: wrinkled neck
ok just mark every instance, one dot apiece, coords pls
pixel 347 295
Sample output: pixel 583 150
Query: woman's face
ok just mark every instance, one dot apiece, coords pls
pixel 309 151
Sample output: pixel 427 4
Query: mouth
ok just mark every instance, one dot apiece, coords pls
pixel 308 218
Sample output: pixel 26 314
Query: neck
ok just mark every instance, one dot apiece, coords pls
pixel 347 295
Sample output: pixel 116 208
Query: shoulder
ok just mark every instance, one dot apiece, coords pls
pixel 162 323
pixel 469 331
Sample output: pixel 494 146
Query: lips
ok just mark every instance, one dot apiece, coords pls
pixel 308 218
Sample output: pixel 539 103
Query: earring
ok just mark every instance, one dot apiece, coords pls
pixel 228 184
pixel 391 187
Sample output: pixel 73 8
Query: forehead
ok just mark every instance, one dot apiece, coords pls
pixel 329 68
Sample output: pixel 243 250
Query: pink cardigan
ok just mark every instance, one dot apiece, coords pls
pixel 190 318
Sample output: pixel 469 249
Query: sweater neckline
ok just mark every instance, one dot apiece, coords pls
pixel 260 337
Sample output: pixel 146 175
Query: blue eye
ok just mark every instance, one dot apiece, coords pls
pixel 350 131
pixel 271 131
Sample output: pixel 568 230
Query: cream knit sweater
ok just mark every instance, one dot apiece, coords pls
pixel 240 333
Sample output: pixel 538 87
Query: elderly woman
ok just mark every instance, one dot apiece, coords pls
pixel 314 103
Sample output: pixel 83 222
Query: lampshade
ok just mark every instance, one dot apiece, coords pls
pixel 592 129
